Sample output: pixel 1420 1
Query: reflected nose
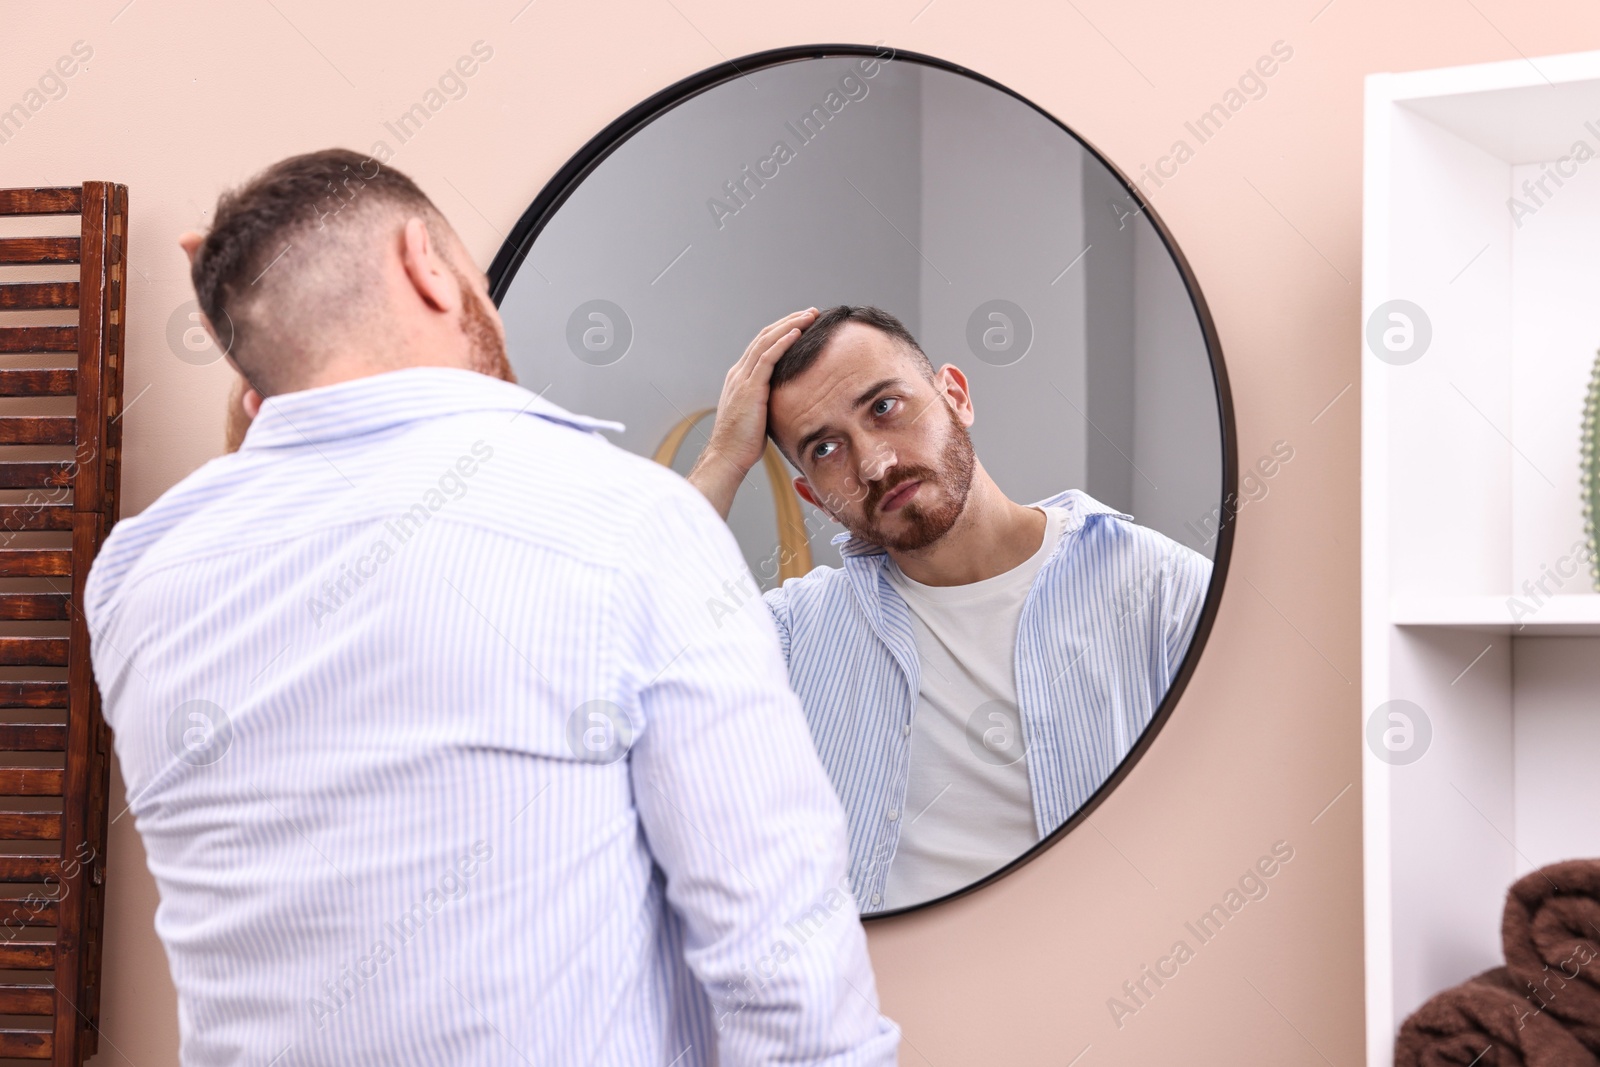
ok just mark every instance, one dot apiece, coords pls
pixel 879 460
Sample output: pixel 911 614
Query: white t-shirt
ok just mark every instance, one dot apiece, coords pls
pixel 968 809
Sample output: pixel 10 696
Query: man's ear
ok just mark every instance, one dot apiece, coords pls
pixel 426 268
pixel 953 385
pixel 803 487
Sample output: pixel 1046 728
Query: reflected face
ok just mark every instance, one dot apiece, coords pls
pixel 880 448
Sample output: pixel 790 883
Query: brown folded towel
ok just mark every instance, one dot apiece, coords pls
pixel 1484 1022
pixel 1551 936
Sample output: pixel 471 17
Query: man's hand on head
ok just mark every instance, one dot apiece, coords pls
pixel 739 436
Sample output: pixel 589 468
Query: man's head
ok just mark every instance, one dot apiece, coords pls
pixel 878 436
pixel 329 266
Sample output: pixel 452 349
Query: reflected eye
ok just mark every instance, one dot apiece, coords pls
pixel 818 453
pixel 877 409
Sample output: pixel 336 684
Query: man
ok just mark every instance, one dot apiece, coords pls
pixel 978 667
pixel 435 757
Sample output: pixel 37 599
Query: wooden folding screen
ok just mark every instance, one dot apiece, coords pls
pixel 59 476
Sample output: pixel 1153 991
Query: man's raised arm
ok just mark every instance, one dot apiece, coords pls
pixel 739 435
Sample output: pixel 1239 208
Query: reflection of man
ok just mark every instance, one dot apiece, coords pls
pixel 435 755
pixel 978 667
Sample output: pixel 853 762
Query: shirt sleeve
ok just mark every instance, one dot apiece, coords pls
pixel 737 809
pixel 1188 580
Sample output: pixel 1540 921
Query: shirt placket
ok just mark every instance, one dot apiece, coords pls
pixel 867 576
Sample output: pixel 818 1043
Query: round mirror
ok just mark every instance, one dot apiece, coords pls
pixel 989 611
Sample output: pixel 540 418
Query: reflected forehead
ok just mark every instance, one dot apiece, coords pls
pixel 858 362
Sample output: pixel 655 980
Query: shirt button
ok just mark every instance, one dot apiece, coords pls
pixel 905 731
pixel 893 814
pixel 876 899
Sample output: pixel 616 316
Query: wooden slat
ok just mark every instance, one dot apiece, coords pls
pixel 33 694
pixel 33 652
pixel 42 200
pixel 14 517
pixel 39 296
pixel 26 998
pixel 33 606
pixel 26 1043
pixel 47 381
pixel 23 907
pixel 38 429
pixel 35 475
pixel 34 562
pixel 38 249
pixel 32 737
pixel 28 869
pixel 32 296
pixel 27 955
pixel 38 339
pixel 29 825
pixel 30 781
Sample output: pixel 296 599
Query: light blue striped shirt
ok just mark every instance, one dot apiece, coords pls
pixel 438 757
pixel 1103 631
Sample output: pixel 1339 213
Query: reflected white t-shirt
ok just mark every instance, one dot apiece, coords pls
pixel 968 809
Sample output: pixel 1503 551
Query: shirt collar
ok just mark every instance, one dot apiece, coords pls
pixel 379 401
pixel 1078 504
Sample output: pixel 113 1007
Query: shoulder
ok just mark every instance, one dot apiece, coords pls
pixel 526 483
pixel 1106 530
pixel 133 536
pixel 546 484
pixel 819 583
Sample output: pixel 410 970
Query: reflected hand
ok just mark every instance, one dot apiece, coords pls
pixel 739 435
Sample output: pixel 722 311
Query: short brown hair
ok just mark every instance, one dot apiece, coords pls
pixel 260 221
pixel 814 338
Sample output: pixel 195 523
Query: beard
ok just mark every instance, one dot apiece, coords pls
pixel 925 524
pixel 487 353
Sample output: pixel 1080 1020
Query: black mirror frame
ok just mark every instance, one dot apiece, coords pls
pixel 575 170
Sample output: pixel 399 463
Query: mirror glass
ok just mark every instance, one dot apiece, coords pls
pixel 967 705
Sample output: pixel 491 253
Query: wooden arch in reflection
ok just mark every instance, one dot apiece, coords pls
pixel 794 547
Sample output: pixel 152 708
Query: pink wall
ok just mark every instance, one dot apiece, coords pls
pixel 182 99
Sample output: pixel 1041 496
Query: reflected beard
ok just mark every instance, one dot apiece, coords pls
pixel 487 353
pixel 926 524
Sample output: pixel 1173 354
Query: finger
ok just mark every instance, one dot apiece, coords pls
pixel 799 319
pixel 794 320
pixel 780 344
pixel 190 243
pixel 762 370
pixel 791 323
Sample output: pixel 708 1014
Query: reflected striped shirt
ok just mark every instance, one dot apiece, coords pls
pixel 438 757
pixel 1103 631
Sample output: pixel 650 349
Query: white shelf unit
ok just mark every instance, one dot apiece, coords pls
pixel 1470 497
